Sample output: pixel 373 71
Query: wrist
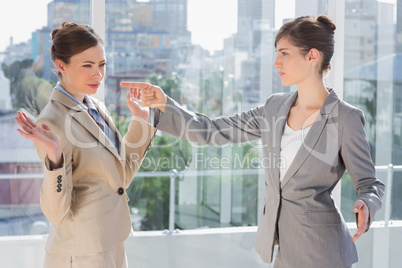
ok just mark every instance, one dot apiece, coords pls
pixel 55 159
pixel 162 108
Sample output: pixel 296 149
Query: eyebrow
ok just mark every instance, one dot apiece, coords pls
pixel 88 61
pixel 284 48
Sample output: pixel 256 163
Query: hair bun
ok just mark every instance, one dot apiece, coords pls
pixel 68 24
pixel 327 22
pixel 54 33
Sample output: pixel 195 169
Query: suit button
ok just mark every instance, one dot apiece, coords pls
pixel 59 185
pixel 59 190
pixel 120 191
pixel 59 181
pixel 59 177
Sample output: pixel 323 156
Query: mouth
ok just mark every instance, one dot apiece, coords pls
pixel 281 74
pixel 94 86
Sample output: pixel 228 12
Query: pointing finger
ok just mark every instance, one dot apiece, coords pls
pixel 141 85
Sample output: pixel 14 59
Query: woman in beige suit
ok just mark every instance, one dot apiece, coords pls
pixel 312 134
pixel 87 164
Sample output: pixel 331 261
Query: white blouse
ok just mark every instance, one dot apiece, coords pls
pixel 291 142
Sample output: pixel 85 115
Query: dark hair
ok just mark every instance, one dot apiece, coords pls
pixel 71 39
pixel 307 32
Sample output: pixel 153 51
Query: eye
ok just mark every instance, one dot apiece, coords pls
pixel 87 66
pixel 102 64
pixel 284 53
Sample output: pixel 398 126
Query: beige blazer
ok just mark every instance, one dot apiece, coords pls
pixel 85 200
pixel 299 213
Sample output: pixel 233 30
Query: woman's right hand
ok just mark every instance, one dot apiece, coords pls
pixel 43 136
pixel 150 95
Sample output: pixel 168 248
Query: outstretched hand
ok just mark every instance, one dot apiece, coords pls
pixel 150 95
pixel 135 105
pixel 43 136
pixel 362 212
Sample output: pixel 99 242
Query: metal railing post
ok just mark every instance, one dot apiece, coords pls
pixel 381 236
pixel 388 193
pixel 172 206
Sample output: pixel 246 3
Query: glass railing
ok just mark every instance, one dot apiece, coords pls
pixel 25 219
pixel 204 247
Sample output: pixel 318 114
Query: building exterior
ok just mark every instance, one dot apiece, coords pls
pixel 171 16
pixel 16 52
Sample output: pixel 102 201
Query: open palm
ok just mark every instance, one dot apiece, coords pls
pixel 135 105
pixel 42 135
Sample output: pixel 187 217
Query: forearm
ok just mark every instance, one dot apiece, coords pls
pixel 199 128
pixel 356 155
pixel 136 141
pixel 55 159
pixel 57 185
pixel 56 191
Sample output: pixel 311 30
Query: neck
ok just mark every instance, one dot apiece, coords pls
pixel 77 95
pixel 311 94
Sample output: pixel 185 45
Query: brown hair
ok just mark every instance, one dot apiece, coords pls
pixel 307 32
pixel 71 39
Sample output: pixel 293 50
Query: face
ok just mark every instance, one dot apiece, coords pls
pixel 85 72
pixel 292 65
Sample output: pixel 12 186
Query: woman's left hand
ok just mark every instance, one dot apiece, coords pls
pixel 135 105
pixel 363 214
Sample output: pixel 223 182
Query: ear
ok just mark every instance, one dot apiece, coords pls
pixel 60 65
pixel 314 56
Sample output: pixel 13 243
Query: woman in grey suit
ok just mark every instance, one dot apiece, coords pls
pixel 312 135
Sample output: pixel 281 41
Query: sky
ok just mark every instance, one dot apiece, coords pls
pixel 19 18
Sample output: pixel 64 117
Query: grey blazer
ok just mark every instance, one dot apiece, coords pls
pixel 299 213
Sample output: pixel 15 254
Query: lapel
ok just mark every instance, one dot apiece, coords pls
pixel 278 128
pixel 82 117
pixel 312 136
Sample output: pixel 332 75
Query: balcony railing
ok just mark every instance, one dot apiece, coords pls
pixel 378 248
pixel 174 175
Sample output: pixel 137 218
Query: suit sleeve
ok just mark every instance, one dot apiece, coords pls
pixel 197 127
pixel 355 152
pixel 136 141
pixel 57 186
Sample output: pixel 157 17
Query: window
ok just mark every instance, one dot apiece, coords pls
pixel 225 69
pixel 27 77
pixel 224 80
pixel 214 57
pixel 371 83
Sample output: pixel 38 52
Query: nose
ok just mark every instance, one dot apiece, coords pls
pixel 98 73
pixel 276 62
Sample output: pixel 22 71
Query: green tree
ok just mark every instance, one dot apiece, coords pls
pixel 211 92
pixel 155 191
pixel 170 84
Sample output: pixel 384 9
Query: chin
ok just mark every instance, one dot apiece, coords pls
pixel 287 83
pixel 92 91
